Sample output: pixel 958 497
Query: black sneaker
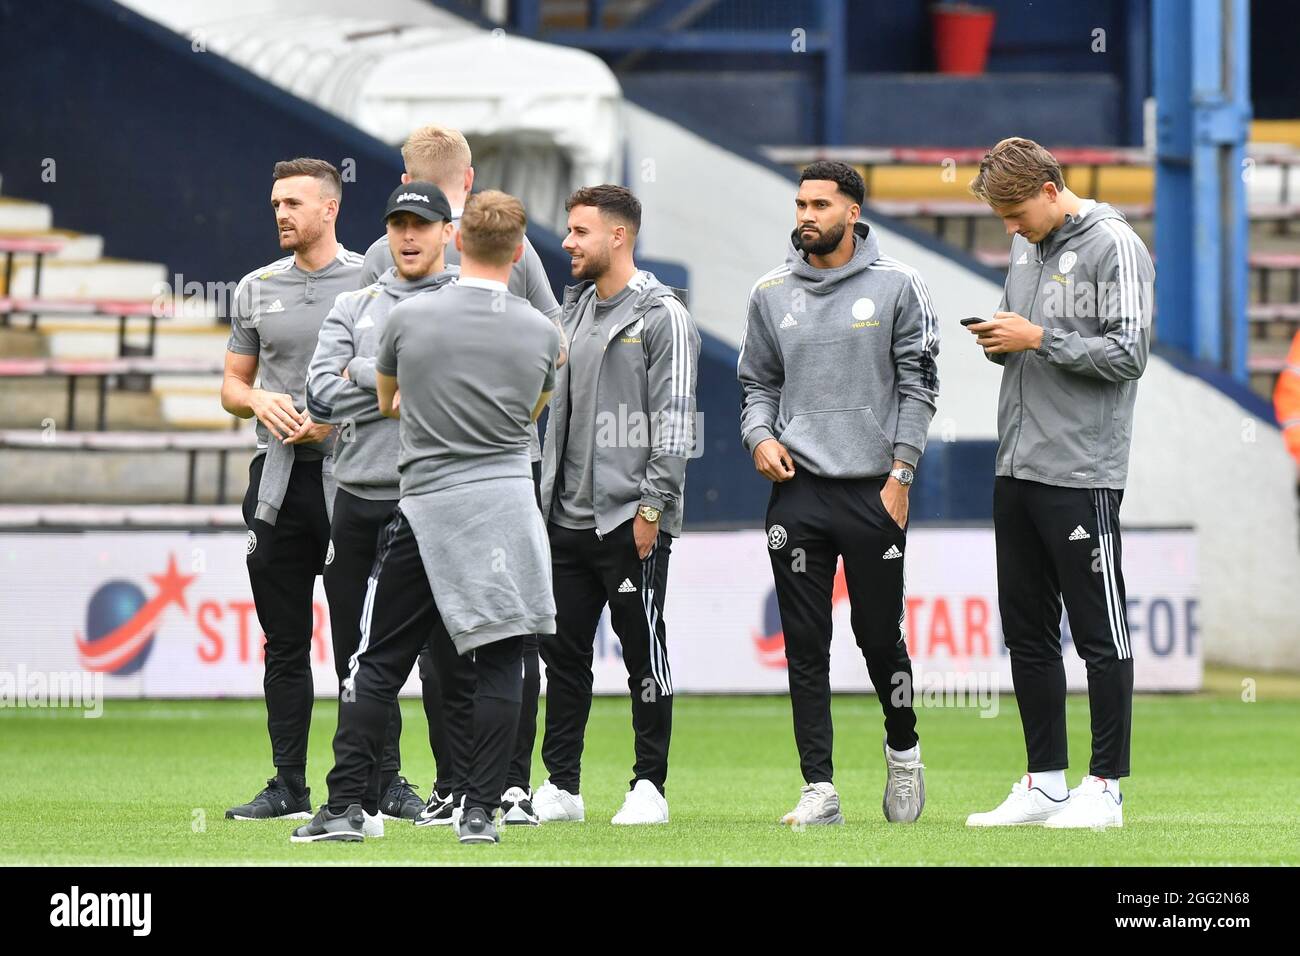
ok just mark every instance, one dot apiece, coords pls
pixel 476 827
pixel 276 801
pixel 401 802
pixel 517 808
pixel 438 812
pixel 345 827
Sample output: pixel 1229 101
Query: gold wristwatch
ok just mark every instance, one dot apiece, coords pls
pixel 648 513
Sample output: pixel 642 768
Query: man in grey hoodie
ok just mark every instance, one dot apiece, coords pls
pixel 837 366
pixel 341 391
pixel 1073 333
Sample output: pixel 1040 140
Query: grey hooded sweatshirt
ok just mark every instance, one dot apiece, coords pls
pixel 838 364
pixel 367 444
pixel 1065 411
pixel 643 432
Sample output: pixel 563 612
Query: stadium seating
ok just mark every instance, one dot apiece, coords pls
pixel 68 314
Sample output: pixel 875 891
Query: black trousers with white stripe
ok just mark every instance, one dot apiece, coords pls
pixel 354 536
pixel 590 572
pixel 399 618
pixel 811 522
pixel 1058 543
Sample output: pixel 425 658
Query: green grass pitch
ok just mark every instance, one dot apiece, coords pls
pixel 1215 783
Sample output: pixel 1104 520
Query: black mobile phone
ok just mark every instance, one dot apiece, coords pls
pixel 971 320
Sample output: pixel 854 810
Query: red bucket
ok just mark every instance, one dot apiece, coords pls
pixel 962 33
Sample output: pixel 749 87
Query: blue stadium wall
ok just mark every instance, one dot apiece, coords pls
pixel 167 153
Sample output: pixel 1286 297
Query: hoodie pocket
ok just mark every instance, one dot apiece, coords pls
pixel 839 443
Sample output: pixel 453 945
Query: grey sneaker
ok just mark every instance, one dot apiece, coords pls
pixel 475 826
pixel 401 802
pixel 275 801
pixel 819 805
pixel 346 827
pixel 904 788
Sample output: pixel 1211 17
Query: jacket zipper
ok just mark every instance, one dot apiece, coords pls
pixel 568 410
pixel 1020 379
pixel 604 351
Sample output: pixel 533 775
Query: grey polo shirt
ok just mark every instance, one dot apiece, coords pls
pixel 277 314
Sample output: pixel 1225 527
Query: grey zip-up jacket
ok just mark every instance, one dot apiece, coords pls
pixel 1065 411
pixel 646 384
pixel 838 364
pixel 366 447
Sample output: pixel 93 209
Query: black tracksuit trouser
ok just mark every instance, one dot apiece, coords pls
pixel 589 572
pixel 282 572
pixel 354 537
pixel 811 522
pixel 400 618
pixel 1054 543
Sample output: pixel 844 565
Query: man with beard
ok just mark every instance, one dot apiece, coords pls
pixel 614 504
pixel 277 315
pixel 837 366
pixel 341 390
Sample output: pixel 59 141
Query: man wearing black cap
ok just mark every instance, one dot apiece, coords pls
pixel 464 561
pixel 341 391
pixel 441 155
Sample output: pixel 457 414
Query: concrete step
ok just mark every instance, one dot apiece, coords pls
pixel 21 342
pixel 37 402
pixel 77 247
pixel 104 279
pixel 18 215
pixel 97 338
pixel 193 406
pixel 82 477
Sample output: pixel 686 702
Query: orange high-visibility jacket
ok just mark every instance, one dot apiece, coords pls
pixel 1286 400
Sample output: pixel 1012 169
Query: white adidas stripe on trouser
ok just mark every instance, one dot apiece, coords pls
pixel 368 605
pixel 658 652
pixel 1110 573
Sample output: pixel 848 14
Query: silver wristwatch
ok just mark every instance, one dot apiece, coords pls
pixel 904 476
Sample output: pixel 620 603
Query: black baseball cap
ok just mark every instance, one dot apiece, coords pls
pixel 422 198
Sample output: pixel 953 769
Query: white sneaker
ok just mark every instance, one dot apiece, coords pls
pixel 373 825
pixel 819 805
pixel 1027 806
pixel 553 805
pixel 643 804
pixel 904 787
pixel 1093 805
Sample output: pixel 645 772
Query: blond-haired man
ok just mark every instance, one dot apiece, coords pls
pixel 1072 333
